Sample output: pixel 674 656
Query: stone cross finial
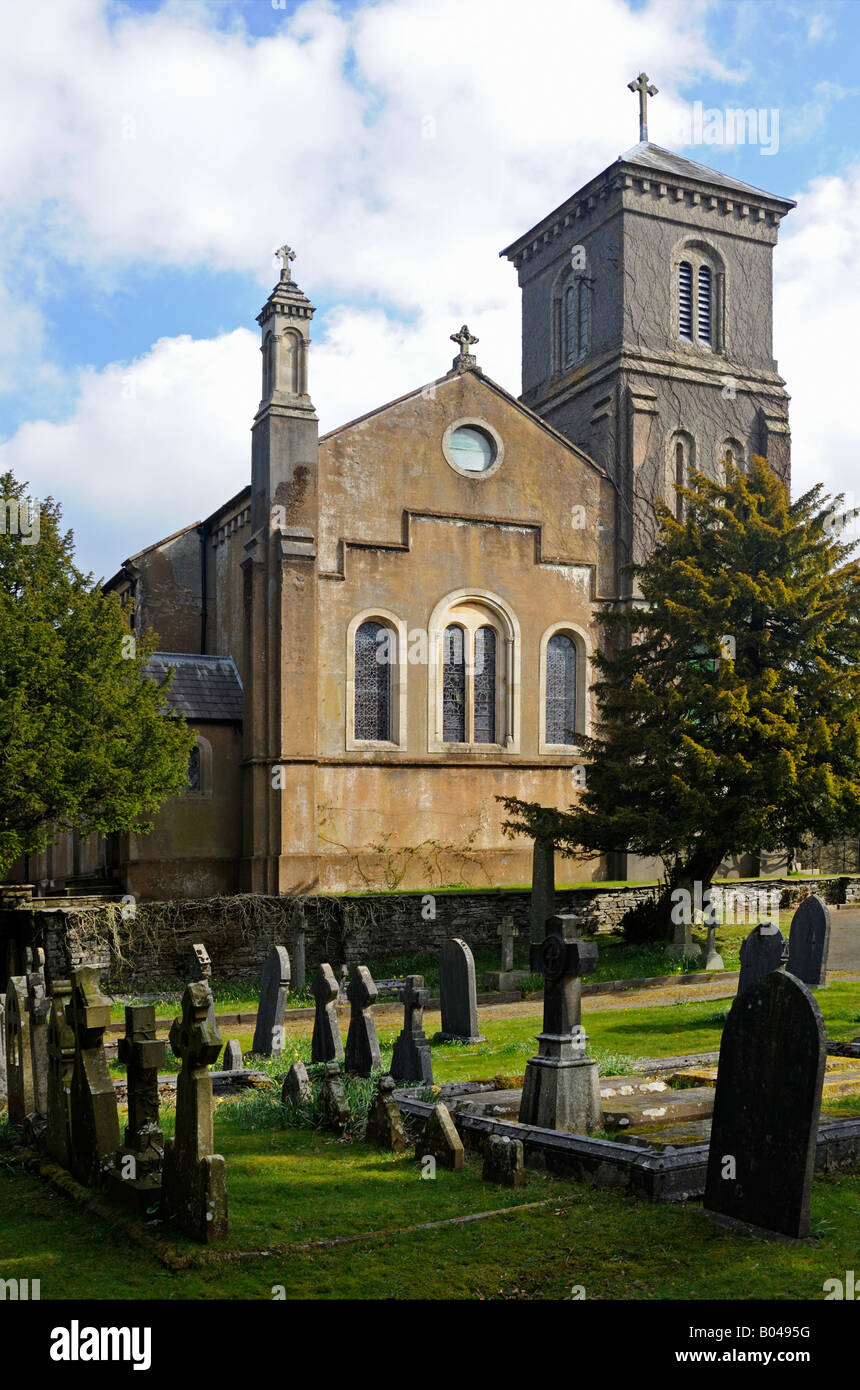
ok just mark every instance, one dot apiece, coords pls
pixel 464 359
pixel 645 90
pixel 285 254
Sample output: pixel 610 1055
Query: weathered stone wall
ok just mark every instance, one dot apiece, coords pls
pixel 239 931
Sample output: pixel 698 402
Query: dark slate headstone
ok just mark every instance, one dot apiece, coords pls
pixel 362 1045
pixel 232 1059
pixel 411 1060
pixel 766 1107
pixel 762 952
pixel 326 1043
pixel 809 942
pixel 458 994
pixel 542 904
pixel 269 1032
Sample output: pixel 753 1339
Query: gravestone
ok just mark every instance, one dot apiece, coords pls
pixel 200 968
pixel 682 943
pixel 269 1032
pixel 439 1139
pixel 763 951
pixel 61 1066
pixel 326 1044
pixel 458 995
pixel 194 1182
pixel 300 928
pixel 333 1101
pixel 809 942
pixel 506 978
pixel 19 1061
pixel 232 1060
pixel 362 1044
pixel 137 1176
pixel 766 1107
pixel 542 905
pixel 296 1089
pixel 38 1009
pixel 93 1107
pixel 342 981
pixel 711 959
pixel 3 1088
pixel 384 1121
pixel 411 1060
pixel 561 1089
pixel 504 1162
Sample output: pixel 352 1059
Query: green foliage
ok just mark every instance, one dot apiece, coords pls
pixel 86 743
pixel 703 749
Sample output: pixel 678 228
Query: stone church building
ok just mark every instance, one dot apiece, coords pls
pixel 394 622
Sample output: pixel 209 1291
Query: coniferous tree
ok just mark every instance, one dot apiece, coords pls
pixel 728 697
pixel 86 741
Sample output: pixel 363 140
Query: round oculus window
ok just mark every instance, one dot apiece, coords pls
pixel 471 449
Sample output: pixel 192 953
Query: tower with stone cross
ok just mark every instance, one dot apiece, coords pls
pixel 647 328
pixel 194 1179
pixel 281 599
pixel 561 1089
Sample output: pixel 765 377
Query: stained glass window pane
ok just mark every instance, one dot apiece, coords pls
pixel 485 685
pixel 194 769
pixel 560 689
pixel 373 655
pixel 453 686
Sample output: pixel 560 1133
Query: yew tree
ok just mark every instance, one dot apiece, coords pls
pixel 86 740
pixel 728 696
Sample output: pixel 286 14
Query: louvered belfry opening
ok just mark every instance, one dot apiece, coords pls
pixel 704 304
pixel 685 301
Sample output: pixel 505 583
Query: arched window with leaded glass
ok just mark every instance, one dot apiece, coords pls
pixel 374 656
pixel 454 684
pixel 485 685
pixel 560 689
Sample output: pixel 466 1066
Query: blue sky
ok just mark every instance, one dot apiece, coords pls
pixel 153 154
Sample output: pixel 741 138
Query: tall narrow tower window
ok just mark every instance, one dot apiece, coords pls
pixel 574 321
pixel 372 683
pixel 704 304
pixel 570 325
pixel 680 478
pixel 685 301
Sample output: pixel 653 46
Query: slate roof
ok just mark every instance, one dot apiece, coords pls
pixel 205 688
pixel 650 156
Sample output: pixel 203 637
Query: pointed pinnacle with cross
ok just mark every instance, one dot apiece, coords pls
pixel 285 254
pixel 464 338
pixel 641 85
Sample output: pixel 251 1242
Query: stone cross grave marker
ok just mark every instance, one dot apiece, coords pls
pixel 458 993
pixel 763 951
pixel 38 1008
pixel 269 1032
pixel 326 1043
pixel 561 1089
pixel 507 932
pixel 766 1107
pixel 384 1121
pixel 200 968
pixel 809 942
pixel 194 1182
pixel 95 1118
pixel 61 1066
pixel 411 1059
pixel 362 1044
pixel 139 1161
pixel 19 1061
pixel 542 905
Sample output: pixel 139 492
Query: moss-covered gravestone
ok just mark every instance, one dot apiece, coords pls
pixel 384 1121
pixel 139 1161
pixel 19 1066
pixel 503 1161
pixel 94 1114
pixel 766 1108
pixel 333 1102
pixel 362 1045
pixel 194 1182
pixel 439 1140
pixel 61 1066
pixel 296 1089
